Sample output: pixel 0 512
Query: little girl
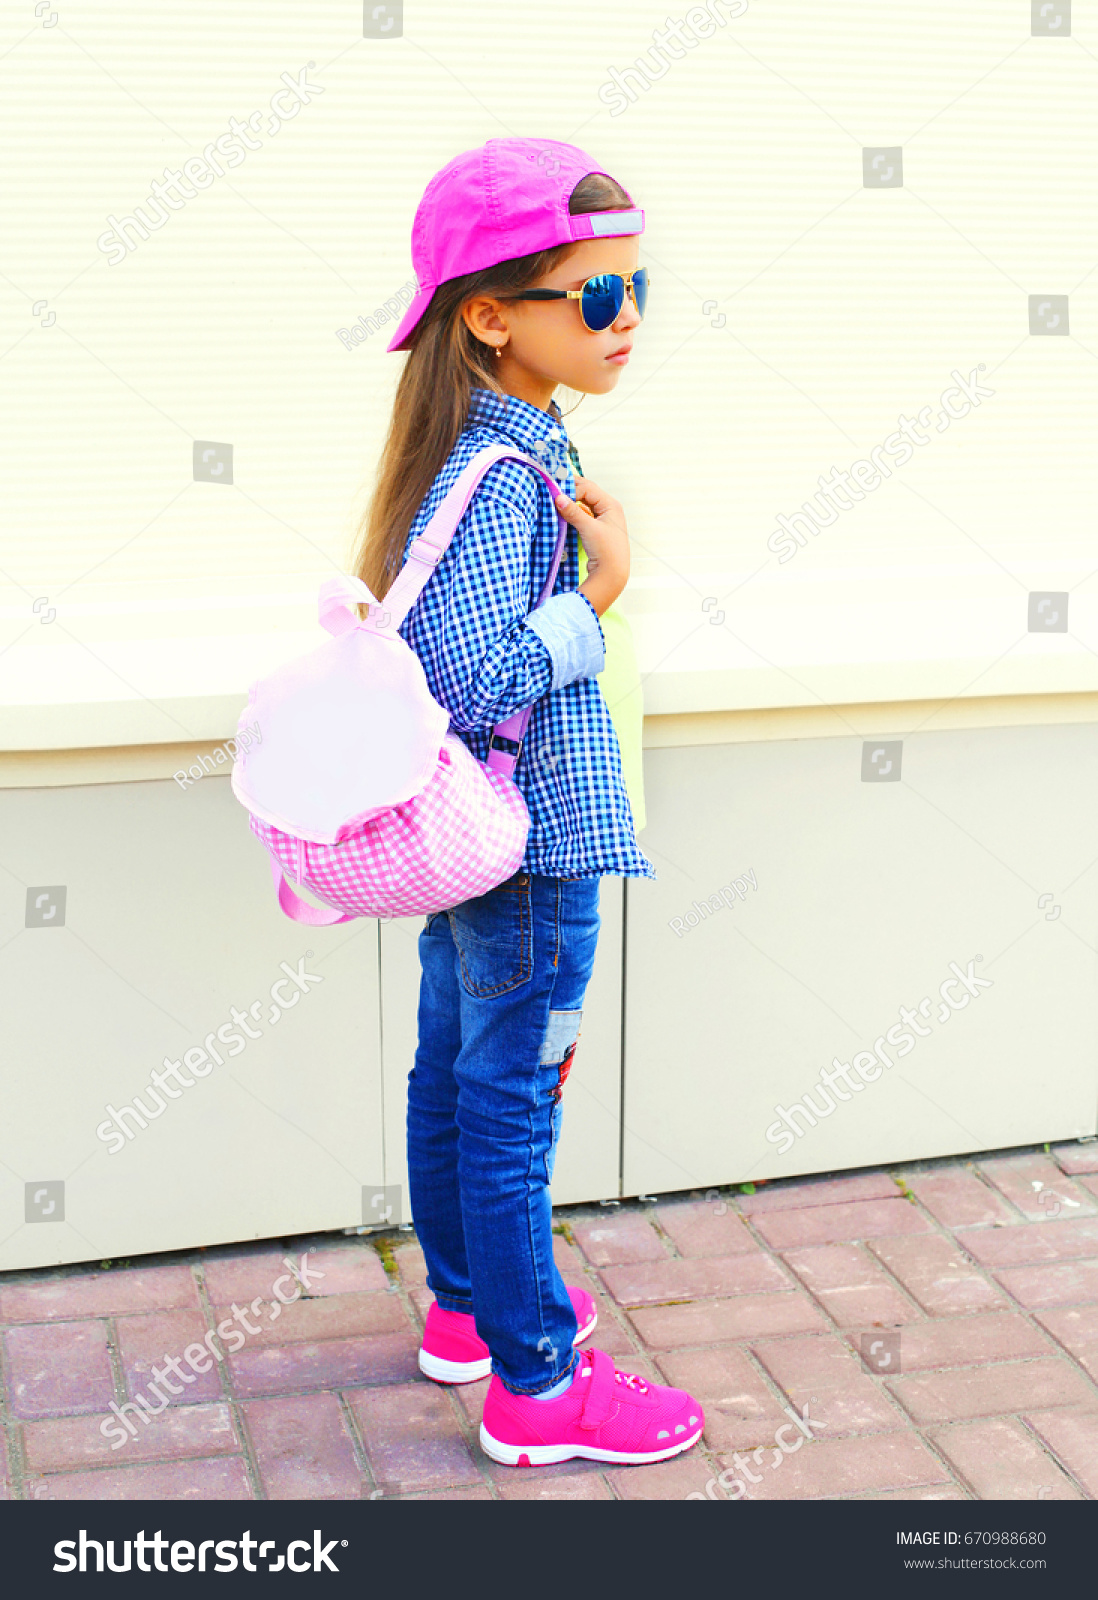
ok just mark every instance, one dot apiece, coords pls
pixel 526 257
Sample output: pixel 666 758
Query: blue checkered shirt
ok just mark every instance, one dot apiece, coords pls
pixel 485 657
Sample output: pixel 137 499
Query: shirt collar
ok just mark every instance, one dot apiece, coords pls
pixel 540 433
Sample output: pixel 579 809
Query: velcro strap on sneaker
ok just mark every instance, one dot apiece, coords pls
pixel 601 1401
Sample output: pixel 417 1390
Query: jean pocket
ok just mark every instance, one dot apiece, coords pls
pixel 494 935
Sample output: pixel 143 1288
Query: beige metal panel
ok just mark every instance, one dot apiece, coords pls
pixel 170 921
pixel 588 1158
pixel 867 893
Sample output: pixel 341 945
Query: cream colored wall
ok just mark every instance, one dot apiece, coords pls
pixel 795 314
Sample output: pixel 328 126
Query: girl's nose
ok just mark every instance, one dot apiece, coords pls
pixel 628 317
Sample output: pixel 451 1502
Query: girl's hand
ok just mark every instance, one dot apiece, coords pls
pixel 600 522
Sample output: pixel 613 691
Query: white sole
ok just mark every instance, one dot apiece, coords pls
pixel 544 1455
pixel 441 1371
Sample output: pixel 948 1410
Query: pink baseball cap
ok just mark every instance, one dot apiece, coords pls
pixel 507 199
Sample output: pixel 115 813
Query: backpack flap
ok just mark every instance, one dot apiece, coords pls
pixel 345 732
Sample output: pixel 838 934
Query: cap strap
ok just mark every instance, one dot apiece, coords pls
pixel 606 224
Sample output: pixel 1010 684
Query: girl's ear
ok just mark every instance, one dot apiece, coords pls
pixel 483 316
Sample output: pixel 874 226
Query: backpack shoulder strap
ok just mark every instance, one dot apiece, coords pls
pixel 428 549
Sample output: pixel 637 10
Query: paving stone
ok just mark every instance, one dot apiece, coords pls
pixel 58 1367
pixel 303 1448
pixel 1090 1184
pixel 706 1228
pixel 422 1299
pixel 609 1334
pixel 1073 1437
pixel 573 1486
pixel 838 1223
pixel 146 1341
pixel 347 1269
pixel 99 1294
pixel 970 1341
pixel 654 1282
pixel 614 1241
pixel 1001 1461
pixel 1064 1283
pixel 410 1264
pixel 332 1364
pixel 798 1193
pixel 328 1317
pixel 1031 1242
pixel 719 1321
pixel 910 1494
pixel 471 1491
pixel 740 1410
pixel 245 1275
pixel 843 1467
pixel 1076 1328
pixel 850 1285
pixel 412 1438
pixel 937 1276
pixel 470 1397
pixel 1076 1158
pixel 822 1375
pixel 56 1443
pixel 957 1198
pixel 1009 1386
pixel 1037 1186
pixel 675 1479
pixel 570 1262
pixel 225 1479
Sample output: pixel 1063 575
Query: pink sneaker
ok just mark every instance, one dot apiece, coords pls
pixel 453 1352
pixel 605 1415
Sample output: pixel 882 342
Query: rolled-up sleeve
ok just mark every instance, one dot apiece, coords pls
pixel 570 628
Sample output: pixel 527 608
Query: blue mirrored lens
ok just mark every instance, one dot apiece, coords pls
pixel 640 289
pixel 603 298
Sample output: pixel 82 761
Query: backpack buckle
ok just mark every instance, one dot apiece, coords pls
pixel 431 554
pixel 508 747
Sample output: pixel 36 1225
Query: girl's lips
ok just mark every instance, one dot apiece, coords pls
pixel 620 357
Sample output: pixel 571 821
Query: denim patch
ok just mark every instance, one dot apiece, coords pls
pixel 560 1036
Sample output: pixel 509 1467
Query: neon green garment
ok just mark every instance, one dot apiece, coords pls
pixel 620 683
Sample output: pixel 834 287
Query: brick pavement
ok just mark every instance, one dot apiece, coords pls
pixel 975 1280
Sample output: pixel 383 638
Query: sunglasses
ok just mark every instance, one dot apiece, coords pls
pixel 600 299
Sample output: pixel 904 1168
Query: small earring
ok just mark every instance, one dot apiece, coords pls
pixel 499 350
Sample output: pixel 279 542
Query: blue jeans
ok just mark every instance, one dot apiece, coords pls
pixel 501 996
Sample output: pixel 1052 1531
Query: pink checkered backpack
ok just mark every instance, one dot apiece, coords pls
pixel 355 785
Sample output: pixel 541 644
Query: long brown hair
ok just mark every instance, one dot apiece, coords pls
pixel 445 364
